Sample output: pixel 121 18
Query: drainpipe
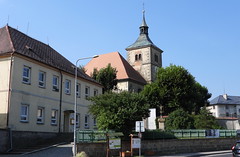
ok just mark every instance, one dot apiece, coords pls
pixel 60 102
pixel 9 101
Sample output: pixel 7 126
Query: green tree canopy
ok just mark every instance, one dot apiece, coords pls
pixel 204 120
pixel 119 111
pixel 179 119
pixel 176 88
pixel 107 77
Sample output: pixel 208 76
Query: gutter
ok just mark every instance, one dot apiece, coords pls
pixel 60 102
pixel 9 102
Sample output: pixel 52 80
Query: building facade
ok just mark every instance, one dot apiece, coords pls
pixel 226 109
pixel 37 87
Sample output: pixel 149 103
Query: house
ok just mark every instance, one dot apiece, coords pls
pixel 226 109
pixel 37 87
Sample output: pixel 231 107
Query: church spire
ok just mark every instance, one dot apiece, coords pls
pixel 143 28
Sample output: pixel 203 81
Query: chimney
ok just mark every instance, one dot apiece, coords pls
pixel 225 96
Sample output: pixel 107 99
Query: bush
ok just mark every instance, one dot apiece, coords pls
pixel 157 134
pixel 81 154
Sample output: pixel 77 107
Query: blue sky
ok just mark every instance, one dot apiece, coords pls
pixel 203 36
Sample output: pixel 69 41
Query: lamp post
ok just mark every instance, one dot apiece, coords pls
pixel 75 103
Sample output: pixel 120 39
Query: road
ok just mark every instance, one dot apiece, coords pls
pixel 64 150
pixel 226 153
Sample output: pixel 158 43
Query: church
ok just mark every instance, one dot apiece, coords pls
pixel 140 68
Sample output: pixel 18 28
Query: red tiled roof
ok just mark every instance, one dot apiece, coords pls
pixel 124 69
pixel 14 41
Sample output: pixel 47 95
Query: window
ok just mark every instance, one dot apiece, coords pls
pixel 41 79
pixel 227 114
pixel 226 106
pixel 87 92
pixel 40 115
pixel 95 92
pixel 86 122
pixel 55 83
pixel 78 90
pixel 24 113
pixel 67 86
pixel 138 57
pixel 156 58
pixel 54 117
pixel 26 75
pixel 77 120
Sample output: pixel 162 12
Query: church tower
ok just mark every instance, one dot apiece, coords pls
pixel 143 55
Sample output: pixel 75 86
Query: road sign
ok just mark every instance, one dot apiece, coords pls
pixel 115 143
pixel 136 143
pixel 140 126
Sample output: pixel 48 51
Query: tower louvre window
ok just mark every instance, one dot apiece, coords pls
pixel 138 57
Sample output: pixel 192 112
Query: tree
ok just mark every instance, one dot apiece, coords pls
pixel 119 111
pixel 107 77
pixel 179 119
pixel 204 120
pixel 176 88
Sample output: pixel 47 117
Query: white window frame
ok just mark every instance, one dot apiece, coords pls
pixel 67 87
pixel 24 113
pixel 78 90
pixel 54 117
pixel 55 83
pixel 42 79
pixel 87 91
pixel 40 115
pixel 26 75
pixel 86 121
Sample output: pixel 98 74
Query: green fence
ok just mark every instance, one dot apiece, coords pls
pixel 188 133
pixel 203 133
pixel 95 136
pixel 90 136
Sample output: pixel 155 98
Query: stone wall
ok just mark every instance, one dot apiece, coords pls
pixel 4 140
pixel 162 147
pixel 25 139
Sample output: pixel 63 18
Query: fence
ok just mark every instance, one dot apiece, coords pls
pixel 101 136
pixel 203 133
pixel 95 136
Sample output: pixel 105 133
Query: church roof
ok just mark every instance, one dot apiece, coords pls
pixel 143 40
pixel 13 41
pixel 226 100
pixel 124 70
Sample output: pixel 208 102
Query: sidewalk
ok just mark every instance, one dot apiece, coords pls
pixel 197 154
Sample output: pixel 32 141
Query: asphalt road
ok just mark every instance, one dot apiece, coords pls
pixel 64 150
pixel 59 151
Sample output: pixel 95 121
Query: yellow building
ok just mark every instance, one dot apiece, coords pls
pixel 37 87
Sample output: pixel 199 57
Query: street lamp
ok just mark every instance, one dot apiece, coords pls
pixel 75 103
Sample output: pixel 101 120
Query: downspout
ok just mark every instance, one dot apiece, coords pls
pixel 9 102
pixel 60 102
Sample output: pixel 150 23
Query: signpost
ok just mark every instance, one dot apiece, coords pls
pixel 139 128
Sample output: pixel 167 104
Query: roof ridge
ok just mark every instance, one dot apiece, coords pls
pixel 127 70
pixel 10 39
